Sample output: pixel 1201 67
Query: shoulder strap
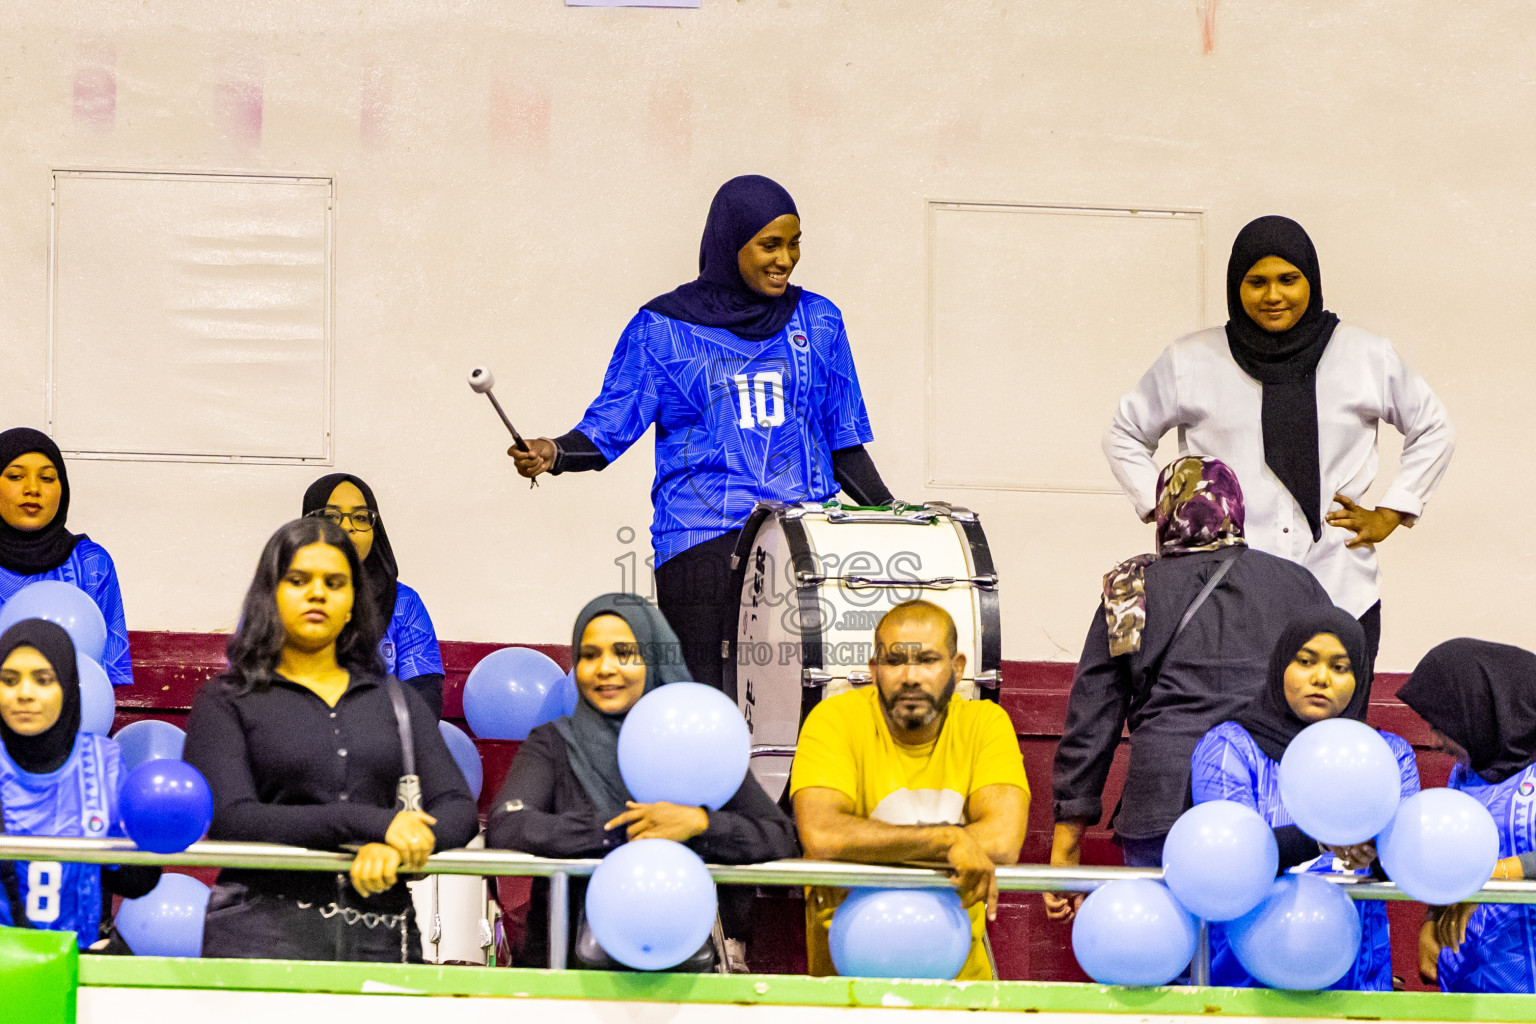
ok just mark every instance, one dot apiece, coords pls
pixel 1189 613
pixel 408 791
pixel 9 881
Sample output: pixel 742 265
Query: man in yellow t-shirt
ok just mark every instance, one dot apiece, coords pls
pixel 898 773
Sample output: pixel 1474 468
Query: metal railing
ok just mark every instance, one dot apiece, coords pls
pixel 1014 878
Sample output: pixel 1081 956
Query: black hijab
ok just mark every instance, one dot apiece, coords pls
pixel 719 297
pixel 49 749
pixel 591 736
pixel 40 551
pixel 1284 362
pixel 380 573
pixel 1269 718
pixel 1483 696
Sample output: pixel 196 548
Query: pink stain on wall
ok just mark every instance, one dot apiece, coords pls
pixel 669 117
pixel 94 95
pixel 517 116
pixel 1207 9
pixel 377 92
pixel 241 103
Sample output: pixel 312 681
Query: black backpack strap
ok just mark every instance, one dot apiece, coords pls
pixel 1156 667
pixel 408 791
pixel 11 883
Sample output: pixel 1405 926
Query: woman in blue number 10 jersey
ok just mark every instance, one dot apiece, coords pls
pixel 750 383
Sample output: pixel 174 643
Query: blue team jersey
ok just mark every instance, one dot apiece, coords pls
pixel 737 422
pixel 1229 765
pixel 1499 954
pixel 409 647
pixel 90 568
pixel 79 799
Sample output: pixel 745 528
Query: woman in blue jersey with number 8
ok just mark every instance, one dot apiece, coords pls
pixel 751 385
pixel 55 781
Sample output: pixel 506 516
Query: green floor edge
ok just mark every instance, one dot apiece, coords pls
pixel 783 990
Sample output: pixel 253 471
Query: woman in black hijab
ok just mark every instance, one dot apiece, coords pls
pixel 36 544
pixel 1317 672
pixel 1479 699
pixel 56 781
pixel 409 647
pixel 1291 398
pixel 564 796
pixel 751 385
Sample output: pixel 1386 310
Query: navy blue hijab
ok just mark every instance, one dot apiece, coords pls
pixel 718 297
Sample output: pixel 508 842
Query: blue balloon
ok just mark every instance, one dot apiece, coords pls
pixel 149 739
pixel 684 743
pixel 65 604
pixel 900 933
pixel 98 701
pixel 166 806
pixel 1220 859
pixel 168 921
pixel 1340 781
pixel 1304 936
pixel 651 904
pixel 1133 932
pixel 1441 847
pixel 507 693
pixel 464 755
pixel 562 698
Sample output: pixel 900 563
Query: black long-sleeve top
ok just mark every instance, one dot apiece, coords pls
pixel 285 767
pixel 1218 664
pixel 542 809
pixel 852 467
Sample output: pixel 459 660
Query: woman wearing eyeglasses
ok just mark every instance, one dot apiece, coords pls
pixel 409 647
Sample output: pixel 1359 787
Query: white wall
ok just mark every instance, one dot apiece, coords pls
pixel 514 178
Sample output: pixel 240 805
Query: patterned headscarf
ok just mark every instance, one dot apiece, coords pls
pixel 1199 508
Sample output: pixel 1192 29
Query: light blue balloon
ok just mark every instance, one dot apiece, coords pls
pixel 1304 936
pixel 98 701
pixel 1133 932
pixel 507 693
pixel 1441 847
pixel 651 904
pixel 464 755
pixel 65 604
pixel 1220 859
pixel 168 921
pixel 900 933
pixel 149 739
pixel 1340 781
pixel 685 743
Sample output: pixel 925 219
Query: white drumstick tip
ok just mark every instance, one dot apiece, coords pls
pixel 481 380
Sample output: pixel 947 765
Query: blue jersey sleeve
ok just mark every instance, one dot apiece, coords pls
pixel 845 420
pixel 627 405
pixel 1222 768
pixel 414 639
pixel 1407 764
pixel 99 579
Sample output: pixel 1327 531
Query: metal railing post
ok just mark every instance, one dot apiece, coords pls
pixel 1200 966
pixel 559 919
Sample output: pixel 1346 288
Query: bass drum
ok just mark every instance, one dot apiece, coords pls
pixel 814 581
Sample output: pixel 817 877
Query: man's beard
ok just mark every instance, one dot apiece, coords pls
pixel 914 720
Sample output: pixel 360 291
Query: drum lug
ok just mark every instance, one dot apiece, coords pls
pixel 814 677
pixel 859 677
pixel 989 678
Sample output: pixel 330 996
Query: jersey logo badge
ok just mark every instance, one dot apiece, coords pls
pixel 95 825
pixel 798 339
pixel 387 650
pixel 1527 787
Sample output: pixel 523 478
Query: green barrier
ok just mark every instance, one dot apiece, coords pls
pixel 39 971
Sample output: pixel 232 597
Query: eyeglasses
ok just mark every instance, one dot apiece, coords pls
pixel 362 520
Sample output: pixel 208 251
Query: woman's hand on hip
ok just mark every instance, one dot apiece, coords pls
pixel 662 820
pixel 1371 525
pixel 410 835
pixel 375 869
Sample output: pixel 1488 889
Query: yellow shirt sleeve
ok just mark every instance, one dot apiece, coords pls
pixel 999 761
pixel 824 755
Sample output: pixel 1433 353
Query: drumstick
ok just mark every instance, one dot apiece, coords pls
pixel 481 380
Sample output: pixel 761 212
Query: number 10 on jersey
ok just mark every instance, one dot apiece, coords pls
pixel 761 398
